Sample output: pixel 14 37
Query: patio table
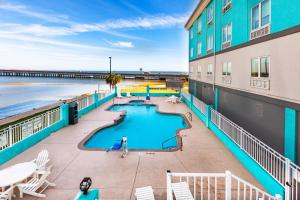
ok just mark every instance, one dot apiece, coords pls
pixel 16 173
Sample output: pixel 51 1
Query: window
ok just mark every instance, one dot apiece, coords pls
pixel 260 15
pixel 226 33
pixel 191 33
pixel 209 69
pixel 260 67
pixel 191 52
pixel 199 26
pixel 199 49
pixel 226 2
pixel 210 42
pixel 191 69
pixel 226 69
pixel 210 14
pixel 199 69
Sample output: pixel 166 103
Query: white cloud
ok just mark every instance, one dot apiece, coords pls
pixel 21 9
pixel 120 44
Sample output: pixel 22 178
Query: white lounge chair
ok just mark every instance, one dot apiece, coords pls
pixel 128 94
pixel 35 186
pixel 7 194
pixel 41 161
pixel 144 193
pixel 182 191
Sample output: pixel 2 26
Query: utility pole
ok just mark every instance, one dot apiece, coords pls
pixel 110 73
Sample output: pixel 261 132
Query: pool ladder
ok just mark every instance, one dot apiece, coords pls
pixel 189 115
pixel 172 147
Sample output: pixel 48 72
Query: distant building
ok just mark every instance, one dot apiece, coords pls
pixel 249 51
pixel 174 83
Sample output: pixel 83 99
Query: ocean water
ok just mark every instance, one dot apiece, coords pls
pixel 21 94
pixel 144 127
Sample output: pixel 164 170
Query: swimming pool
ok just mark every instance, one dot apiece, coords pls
pixel 144 126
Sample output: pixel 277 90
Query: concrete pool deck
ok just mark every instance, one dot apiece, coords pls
pixel 117 178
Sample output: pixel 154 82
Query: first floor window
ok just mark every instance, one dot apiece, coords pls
pixel 209 69
pixel 260 67
pixel 260 14
pixel 199 48
pixel 191 52
pixel 226 69
pixel 199 69
pixel 191 69
pixel 226 33
pixel 210 42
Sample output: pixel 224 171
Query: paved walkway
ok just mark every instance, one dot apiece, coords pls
pixel 116 177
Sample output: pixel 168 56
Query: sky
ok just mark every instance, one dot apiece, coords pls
pixel 82 34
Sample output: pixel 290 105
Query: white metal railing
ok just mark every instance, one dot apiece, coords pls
pixel 19 131
pixel 200 105
pixel 269 159
pixel 85 102
pixel 186 94
pixel 217 186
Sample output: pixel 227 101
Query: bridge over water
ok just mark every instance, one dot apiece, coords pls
pixel 94 74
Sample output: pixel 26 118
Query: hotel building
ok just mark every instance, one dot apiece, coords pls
pixel 244 60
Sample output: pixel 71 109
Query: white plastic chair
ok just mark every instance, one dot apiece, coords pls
pixel 41 161
pixel 35 184
pixel 144 193
pixel 7 194
pixel 182 191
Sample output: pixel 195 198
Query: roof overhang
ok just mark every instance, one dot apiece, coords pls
pixel 197 12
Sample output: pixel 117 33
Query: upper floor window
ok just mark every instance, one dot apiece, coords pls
pixel 191 33
pixel 210 14
pixel 260 67
pixel 191 52
pixel 199 49
pixel 210 43
pixel 209 69
pixel 226 5
pixel 226 33
pixel 260 15
pixel 226 69
pixel 199 26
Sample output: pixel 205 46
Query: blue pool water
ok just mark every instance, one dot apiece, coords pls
pixel 144 127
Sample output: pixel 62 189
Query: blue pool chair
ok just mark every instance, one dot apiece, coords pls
pixel 117 146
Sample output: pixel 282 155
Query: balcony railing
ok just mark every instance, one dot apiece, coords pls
pixel 19 131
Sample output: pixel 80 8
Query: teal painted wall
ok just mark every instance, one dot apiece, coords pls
pixel 283 16
pixel 290 134
pixel 269 183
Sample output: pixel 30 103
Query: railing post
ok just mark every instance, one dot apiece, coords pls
pixel 191 101
pixel 227 185
pixel 169 186
pixel 288 179
pixel 241 138
pixel 64 113
pixel 96 99
pixel 10 135
pixel 208 115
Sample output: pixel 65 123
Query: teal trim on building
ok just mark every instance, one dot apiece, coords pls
pixel 282 16
pixel 195 89
pixel 290 132
pixel 93 194
pixel 269 183
pixel 64 113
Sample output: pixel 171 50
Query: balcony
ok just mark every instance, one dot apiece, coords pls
pixel 260 83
